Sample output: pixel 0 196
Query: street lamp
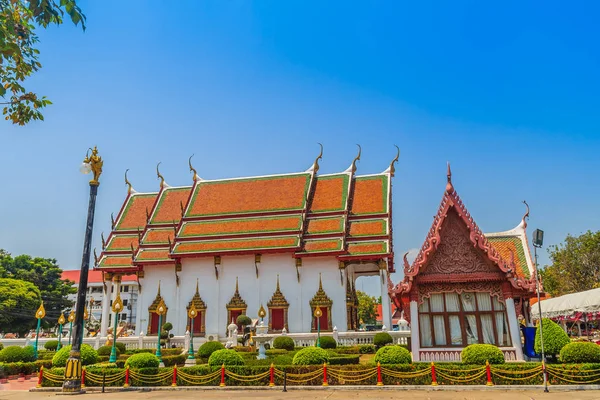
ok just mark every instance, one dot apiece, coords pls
pixel 61 322
pixel 261 313
pixel 192 313
pixel 161 309
pixel 116 308
pixel 538 241
pixel 71 318
pixel 72 383
pixel 318 314
pixel 39 314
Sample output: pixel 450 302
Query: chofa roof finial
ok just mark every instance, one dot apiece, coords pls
pixel 159 176
pixel 319 157
pixel 129 188
pixel 357 158
pixel 524 221
pixel 192 169
pixel 449 186
pixel 392 168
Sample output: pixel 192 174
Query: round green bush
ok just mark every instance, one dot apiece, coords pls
pixel 366 349
pixel 284 342
pixel 51 345
pixel 17 354
pixel 580 352
pixel 283 360
pixel 555 338
pixel 310 356
pixel 243 320
pixel 327 342
pixel 208 348
pixel 142 360
pixel 106 350
pixel 88 356
pixel 225 356
pixel 478 354
pixel 393 355
pixel 167 326
pixel 382 338
pixel 121 347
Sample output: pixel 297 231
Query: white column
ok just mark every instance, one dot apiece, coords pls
pixel 138 310
pixel 386 306
pixel 105 309
pixel 414 330
pixel 513 325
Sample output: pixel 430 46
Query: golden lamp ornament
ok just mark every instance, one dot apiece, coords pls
pixel 41 312
pixel 161 309
pixel 261 312
pixel 71 317
pixel 192 312
pixel 318 312
pixel 117 305
pixel 61 319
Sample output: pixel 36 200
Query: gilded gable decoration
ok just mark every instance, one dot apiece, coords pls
pixel 278 300
pixel 236 302
pixel 197 301
pixel 320 298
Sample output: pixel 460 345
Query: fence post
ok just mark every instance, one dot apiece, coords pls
pixel 222 375
pixel 40 377
pixel 174 383
pixel 103 380
pixel 272 375
pixel 379 381
pixel 433 377
pixel 83 377
pixel 126 384
pixel 325 375
pixel 285 381
pixel 489 374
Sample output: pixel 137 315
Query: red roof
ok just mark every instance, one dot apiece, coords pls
pixel 93 276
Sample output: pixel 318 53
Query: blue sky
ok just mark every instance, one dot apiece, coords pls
pixel 508 94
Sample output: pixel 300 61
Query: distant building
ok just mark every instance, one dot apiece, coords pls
pixel 95 297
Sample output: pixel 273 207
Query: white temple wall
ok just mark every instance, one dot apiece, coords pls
pixel 217 293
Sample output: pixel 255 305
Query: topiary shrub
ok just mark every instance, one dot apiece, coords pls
pixel 327 342
pixel 382 339
pixel 367 349
pixel 393 355
pixel 106 350
pixel 480 353
pixel 227 357
pixel 121 347
pixel 142 360
pixel 88 356
pixel 554 338
pixel 243 320
pixel 284 342
pixel 17 354
pixel 51 345
pixel 310 356
pixel 580 352
pixel 283 360
pixel 208 348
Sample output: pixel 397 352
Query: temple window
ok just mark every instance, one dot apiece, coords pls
pixel 322 301
pixel 236 307
pixel 199 325
pixel 453 319
pixel 278 311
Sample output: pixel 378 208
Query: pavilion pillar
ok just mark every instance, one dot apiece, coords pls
pixel 513 325
pixel 386 306
pixel 105 309
pixel 414 330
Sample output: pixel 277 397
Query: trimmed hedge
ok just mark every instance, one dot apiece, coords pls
pixel 171 361
pixel 580 352
pixel 327 342
pixel 208 348
pixel 283 360
pixel 367 349
pixel 27 368
pixel 555 338
pixel 121 347
pixel 284 342
pixel 142 360
pixel 88 356
pixel 225 356
pixel 13 354
pixel 478 354
pixel 275 352
pixel 310 356
pixel 345 359
pixel 382 339
pixel 106 350
pixel 51 345
pixel 393 355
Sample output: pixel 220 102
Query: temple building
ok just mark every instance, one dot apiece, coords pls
pixel 287 242
pixel 466 287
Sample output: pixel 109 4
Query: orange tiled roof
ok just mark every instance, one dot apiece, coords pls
pixel 368 248
pixel 325 225
pixel 370 195
pixel 153 255
pixel 331 193
pixel 241 226
pixel 134 213
pixel 158 236
pixel 208 246
pixel 322 245
pixel 253 195
pixel 119 242
pixel 168 208
pixel 370 227
pixel 110 261
pixel 509 247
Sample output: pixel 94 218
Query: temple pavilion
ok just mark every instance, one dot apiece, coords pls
pixel 287 242
pixel 465 286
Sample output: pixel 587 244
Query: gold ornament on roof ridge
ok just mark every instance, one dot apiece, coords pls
pixel 395 160
pixel 357 158
pixel 319 157
pixel 192 169
pixel 159 176
pixel 129 187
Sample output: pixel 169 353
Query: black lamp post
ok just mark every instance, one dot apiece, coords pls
pixel 72 384
pixel 538 241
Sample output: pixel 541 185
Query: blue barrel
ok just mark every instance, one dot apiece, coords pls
pixel 529 335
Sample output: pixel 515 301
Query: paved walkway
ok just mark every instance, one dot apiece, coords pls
pixel 320 395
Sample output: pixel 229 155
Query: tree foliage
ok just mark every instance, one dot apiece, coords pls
pixel 367 308
pixel 575 265
pixel 18 302
pixel 19 57
pixel 45 275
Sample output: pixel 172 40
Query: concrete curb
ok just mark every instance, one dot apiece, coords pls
pixel 427 388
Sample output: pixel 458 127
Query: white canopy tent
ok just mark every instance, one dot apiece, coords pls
pixel 569 305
